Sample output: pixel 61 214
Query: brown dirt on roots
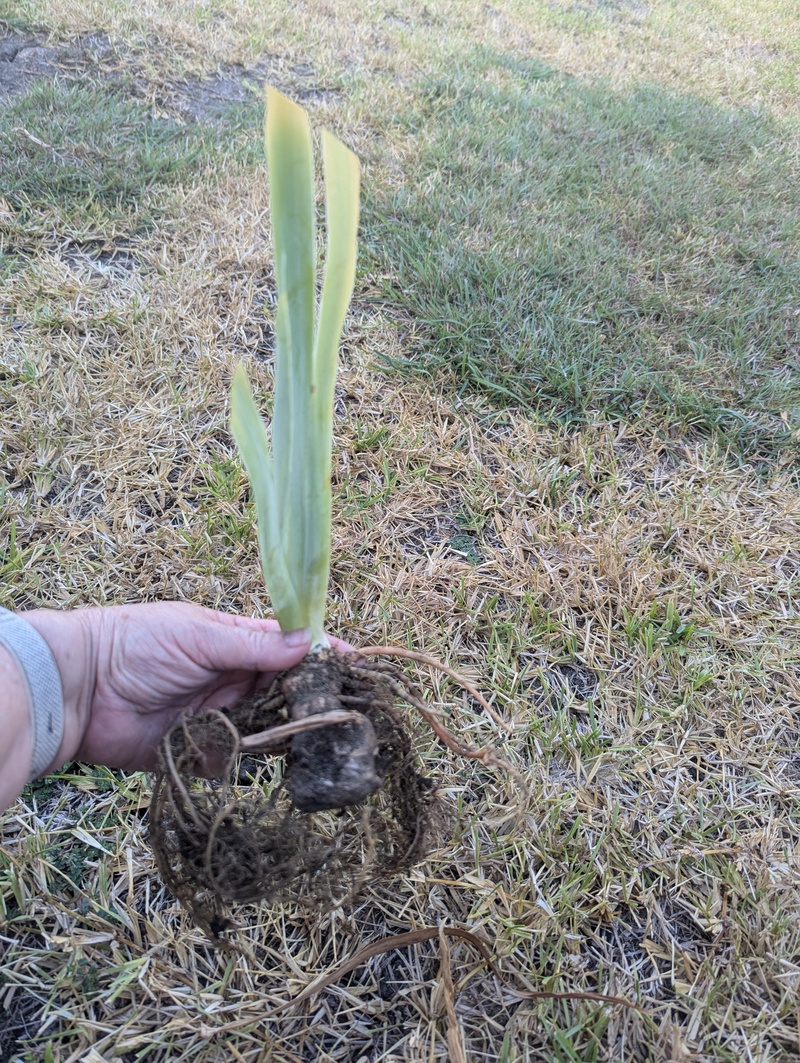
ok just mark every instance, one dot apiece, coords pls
pixel 306 817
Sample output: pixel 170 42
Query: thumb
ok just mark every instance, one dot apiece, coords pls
pixel 239 643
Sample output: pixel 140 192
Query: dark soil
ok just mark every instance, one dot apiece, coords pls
pixel 24 60
pixel 30 56
pixel 310 821
pixel 20 1017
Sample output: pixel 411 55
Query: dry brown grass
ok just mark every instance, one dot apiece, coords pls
pixel 627 597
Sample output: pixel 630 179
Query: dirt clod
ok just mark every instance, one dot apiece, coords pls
pixel 309 821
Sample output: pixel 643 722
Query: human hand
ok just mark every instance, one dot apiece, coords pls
pixel 130 672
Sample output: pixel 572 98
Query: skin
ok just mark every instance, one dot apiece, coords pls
pixel 129 672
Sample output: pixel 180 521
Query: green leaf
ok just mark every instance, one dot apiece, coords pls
pixel 251 439
pixel 291 185
pixel 341 215
pixel 293 490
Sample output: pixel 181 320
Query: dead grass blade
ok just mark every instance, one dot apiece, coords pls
pixel 599 998
pixel 455 1043
pixel 377 948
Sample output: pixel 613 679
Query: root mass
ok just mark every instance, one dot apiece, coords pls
pixel 309 820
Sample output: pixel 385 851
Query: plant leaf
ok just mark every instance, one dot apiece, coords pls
pixel 251 439
pixel 291 179
pixel 341 172
pixel 293 491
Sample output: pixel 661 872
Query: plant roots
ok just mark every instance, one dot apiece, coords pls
pixel 330 806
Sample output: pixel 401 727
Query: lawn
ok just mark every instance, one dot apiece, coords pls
pixel 565 462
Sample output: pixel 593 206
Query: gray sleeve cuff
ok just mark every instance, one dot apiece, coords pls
pixel 43 682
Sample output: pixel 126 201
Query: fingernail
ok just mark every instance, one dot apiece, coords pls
pixel 299 637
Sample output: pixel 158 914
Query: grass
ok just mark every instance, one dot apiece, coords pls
pixel 93 163
pixel 587 252
pixel 104 151
pixel 575 308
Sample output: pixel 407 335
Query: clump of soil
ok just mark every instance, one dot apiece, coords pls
pixel 247 807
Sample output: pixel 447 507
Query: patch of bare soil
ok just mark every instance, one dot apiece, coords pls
pixel 24 60
pixel 19 1020
pixel 202 99
pixel 205 99
pixel 27 58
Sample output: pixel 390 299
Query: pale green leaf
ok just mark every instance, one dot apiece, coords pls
pixel 251 439
pixel 293 491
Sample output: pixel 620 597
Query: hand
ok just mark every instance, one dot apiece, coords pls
pixel 130 672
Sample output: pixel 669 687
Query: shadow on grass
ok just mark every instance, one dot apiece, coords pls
pixel 582 251
pixel 96 155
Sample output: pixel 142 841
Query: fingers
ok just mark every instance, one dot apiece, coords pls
pixel 220 642
pixel 340 645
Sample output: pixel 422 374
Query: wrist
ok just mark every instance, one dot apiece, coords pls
pixel 70 638
pixel 16 749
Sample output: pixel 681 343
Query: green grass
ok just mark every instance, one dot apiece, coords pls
pixel 585 251
pixel 564 244
pixel 87 151
pixel 100 160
